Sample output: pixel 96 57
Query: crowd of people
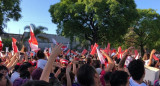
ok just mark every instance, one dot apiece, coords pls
pixel 58 69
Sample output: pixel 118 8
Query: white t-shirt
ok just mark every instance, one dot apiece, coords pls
pixel 14 76
pixel 99 70
pixel 133 83
pixel 113 54
pixel 146 62
pixel 41 63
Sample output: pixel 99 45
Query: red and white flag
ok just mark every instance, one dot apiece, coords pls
pixel 64 48
pixel 107 50
pixel 120 53
pixel 64 61
pixel 1 45
pixel 14 46
pixel 94 49
pixel 33 41
pixel 84 52
pixel 136 54
pixel 100 56
pixel 74 52
pixel 67 52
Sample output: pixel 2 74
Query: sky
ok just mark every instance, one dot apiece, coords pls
pixel 36 12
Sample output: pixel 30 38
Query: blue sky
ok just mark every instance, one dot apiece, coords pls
pixel 36 12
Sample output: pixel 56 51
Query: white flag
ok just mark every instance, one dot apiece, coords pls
pixel 54 41
pixel 100 56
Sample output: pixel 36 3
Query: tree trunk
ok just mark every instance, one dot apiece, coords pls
pixel 142 50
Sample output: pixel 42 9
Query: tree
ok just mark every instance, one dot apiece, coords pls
pixel 36 30
pixel 94 20
pixel 145 30
pixel 7 42
pixel 9 9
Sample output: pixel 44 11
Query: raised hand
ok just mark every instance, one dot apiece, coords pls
pixel 56 50
pixel 46 71
pixel 153 51
pixel 129 49
pixel 68 69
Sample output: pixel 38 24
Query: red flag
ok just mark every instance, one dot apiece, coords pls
pixel 14 46
pixel 108 47
pixel 120 55
pixel 67 52
pixel 136 53
pixel 64 48
pixel 155 58
pixel 84 52
pixel 120 52
pixel 74 52
pixel 1 45
pixel 113 51
pixel 33 41
pixel 119 49
pixel 91 47
pixel 94 49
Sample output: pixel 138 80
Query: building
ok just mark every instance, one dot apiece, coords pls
pixel 10 35
pixel 45 40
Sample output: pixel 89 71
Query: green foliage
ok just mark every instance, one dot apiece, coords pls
pixel 145 30
pixel 9 9
pixel 94 20
pixel 7 42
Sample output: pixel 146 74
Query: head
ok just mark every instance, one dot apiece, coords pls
pixel 107 77
pixel 97 64
pixel 136 69
pixel 25 74
pixel 16 67
pixel 20 82
pixel 87 76
pixel 23 68
pixel 3 80
pixel 3 70
pixel 36 83
pixel 36 74
pixel 40 54
pixel 30 66
pixel 119 78
pixel 89 61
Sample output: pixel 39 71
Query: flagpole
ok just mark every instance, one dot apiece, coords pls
pixel 70 48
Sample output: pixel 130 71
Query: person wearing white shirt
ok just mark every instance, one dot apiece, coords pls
pixel 14 76
pixel 137 72
pixel 41 59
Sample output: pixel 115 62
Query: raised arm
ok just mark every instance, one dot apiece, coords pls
pixel 122 62
pixel 110 61
pixel 47 69
pixel 68 69
pixel 12 60
pixel 151 56
pixel 74 66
